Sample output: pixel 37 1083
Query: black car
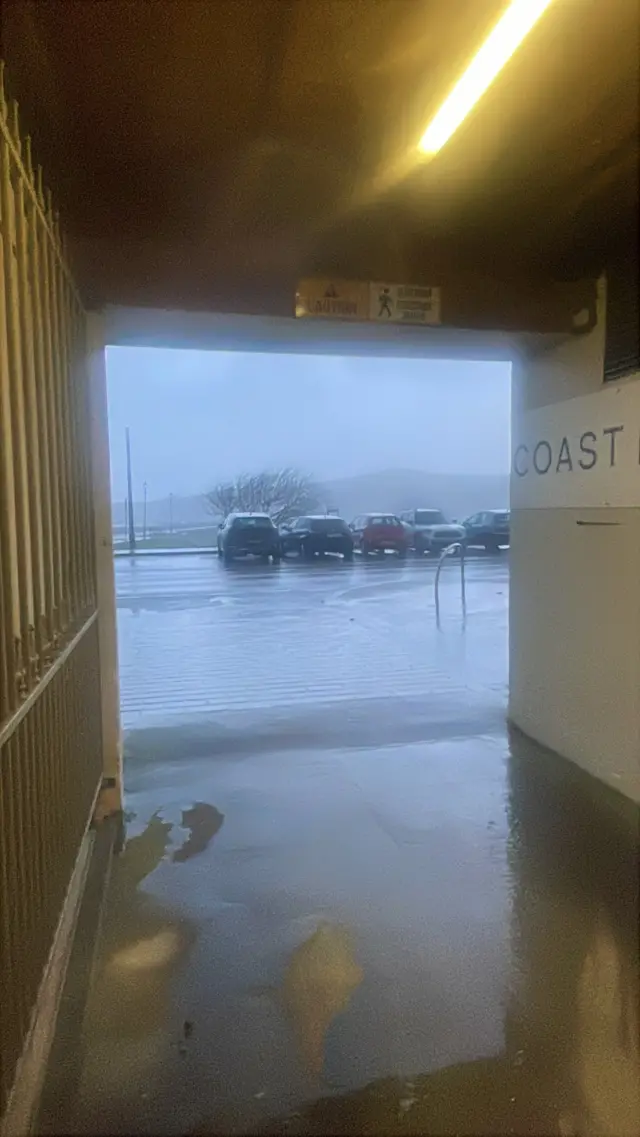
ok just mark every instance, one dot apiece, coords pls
pixel 309 536
pixel 489 530
pixel 248 534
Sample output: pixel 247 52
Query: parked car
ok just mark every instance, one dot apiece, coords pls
pixel 489 530
pixel 379 532
pixel 309 536
pixel 429 531
pixel 246 534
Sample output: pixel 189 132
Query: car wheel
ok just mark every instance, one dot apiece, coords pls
pixel 276 558
pixel 402 554
pixel 227 557
pixel 492 547
pixel 307 552
pixel 366 549
pixel 419 546
pixel 348 555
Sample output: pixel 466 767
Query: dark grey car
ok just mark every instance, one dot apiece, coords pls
pixel 490 530
pixel 249 534
pixel 312 536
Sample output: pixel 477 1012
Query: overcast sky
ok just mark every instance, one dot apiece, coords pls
pixel 197 417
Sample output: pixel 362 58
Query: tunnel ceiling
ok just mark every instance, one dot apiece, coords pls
pixel 208 152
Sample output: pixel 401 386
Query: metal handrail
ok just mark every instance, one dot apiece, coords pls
pixel 448 552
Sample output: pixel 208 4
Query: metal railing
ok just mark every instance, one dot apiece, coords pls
pixel 51 771
pixel 456 547
pixel 50 730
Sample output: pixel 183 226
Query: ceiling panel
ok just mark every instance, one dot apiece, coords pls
pixel 274 136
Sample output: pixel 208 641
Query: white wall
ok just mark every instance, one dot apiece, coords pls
pixel 575 561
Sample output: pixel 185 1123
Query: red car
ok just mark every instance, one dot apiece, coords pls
pixel 379 532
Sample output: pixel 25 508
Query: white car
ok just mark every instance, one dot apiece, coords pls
pixel 429 531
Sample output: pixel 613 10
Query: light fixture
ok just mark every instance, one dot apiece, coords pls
pixel 496 50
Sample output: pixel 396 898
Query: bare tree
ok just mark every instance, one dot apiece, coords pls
pixel 221 500
pixel 282 494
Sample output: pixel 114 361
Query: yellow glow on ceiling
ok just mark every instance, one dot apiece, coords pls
pixel 497 49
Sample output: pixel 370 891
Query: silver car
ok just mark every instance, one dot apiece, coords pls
pixel 429 531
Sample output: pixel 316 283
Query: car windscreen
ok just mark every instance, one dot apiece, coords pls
pixel 328 525
pixel 430 517
pixel 382 519
pixel 252 523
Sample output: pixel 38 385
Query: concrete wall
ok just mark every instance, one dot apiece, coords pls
pixel 575 562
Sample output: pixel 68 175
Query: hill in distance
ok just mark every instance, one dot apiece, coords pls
pixel 391 491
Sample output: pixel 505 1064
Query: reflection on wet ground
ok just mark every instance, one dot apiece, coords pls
pixel 321 976
pixel 371 916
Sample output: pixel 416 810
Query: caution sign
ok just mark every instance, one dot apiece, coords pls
pixel 333 299
pixel 404 303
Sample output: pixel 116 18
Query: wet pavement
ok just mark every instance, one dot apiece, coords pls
pixel 200 639
pixel 350 900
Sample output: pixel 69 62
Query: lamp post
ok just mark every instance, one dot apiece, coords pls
pixel 131 519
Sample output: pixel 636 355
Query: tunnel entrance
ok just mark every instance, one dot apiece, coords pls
pixel 364 463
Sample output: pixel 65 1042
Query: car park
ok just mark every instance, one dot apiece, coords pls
pixel 379 533
pixel 312 536
pixel 429 531
pixel 490 530
pixel 249 534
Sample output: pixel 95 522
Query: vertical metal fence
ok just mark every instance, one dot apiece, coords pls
pixel 50 727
